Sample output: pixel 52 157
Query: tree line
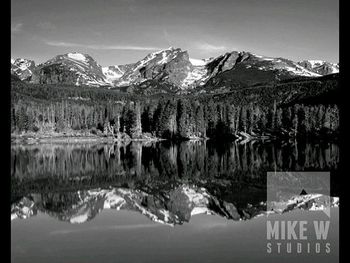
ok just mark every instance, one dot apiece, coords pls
pixel 173 118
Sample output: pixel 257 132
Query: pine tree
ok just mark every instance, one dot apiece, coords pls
pixel 199 120
pixel 167 127
pixel 295 121
pixel 244 121
pixel 231 115
pixel 130 121
pixel 182 118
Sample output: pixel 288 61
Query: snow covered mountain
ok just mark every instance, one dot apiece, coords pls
pixel 320 66
pixel 243 69
pixel 182 203
pixel 199 73
pixel 172 207
pixel 174 68
pixel 170 66
pixel 22 68
pixel 171 70
pixel 71 68
pixel 115 72
pixel 253 62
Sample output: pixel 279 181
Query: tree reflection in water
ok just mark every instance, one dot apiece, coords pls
pixel 165 181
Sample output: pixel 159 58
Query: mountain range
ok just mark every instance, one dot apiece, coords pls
pixel 173 207
pixel 170 70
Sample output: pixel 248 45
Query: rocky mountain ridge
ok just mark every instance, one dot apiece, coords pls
pixel 171 69
pixel 320 66
pixel 173 207
pixel 71 68
pixel 22 68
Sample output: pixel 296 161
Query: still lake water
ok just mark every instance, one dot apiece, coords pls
pixel 157 201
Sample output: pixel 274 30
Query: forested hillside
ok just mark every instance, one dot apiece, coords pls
pixel 272 110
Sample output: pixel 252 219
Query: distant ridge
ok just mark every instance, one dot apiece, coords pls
pixel 171 69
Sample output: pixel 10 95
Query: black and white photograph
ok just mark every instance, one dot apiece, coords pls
pixel 175 131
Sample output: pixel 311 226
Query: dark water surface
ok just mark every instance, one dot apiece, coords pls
pixel 157 202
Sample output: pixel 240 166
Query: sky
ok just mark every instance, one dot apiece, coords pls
pixel 117 32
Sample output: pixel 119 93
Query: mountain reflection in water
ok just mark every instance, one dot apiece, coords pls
pixel 164 181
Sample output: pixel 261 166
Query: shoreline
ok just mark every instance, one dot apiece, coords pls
pixel 59 138
pixel 38 138
pixel 82 138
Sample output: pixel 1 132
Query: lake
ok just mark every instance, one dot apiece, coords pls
pixel 195 201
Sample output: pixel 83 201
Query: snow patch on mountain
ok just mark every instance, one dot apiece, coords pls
pixel 313 202
pixel 315 62
pixel 320 66
pixel 77 56
pixel 198 62
pixel 264 57
pixel 198 74
pixel 335 68
pixel 301 71
pixel 164 58
pixel 112 73
pixel 270 63
pixel 166 55
pixel 113 200
pixel 200 210
pixel 79 219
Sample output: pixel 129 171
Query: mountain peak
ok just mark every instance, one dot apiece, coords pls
pixel 167 50
pixel 320 66
pixel 73 68
pixel 74 56
pixel 23 68
pixel 169 65
pixel 171 48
